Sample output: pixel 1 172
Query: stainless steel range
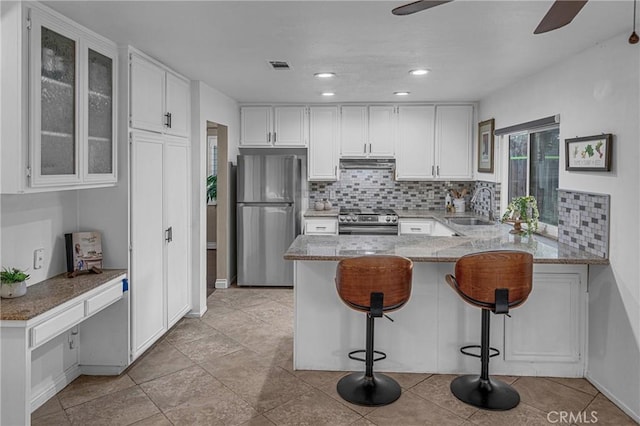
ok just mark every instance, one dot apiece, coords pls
pixel 367 222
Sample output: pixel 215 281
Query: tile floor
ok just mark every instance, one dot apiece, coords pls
pixel 234 367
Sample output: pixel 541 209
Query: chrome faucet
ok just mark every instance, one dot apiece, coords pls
pixel 475 197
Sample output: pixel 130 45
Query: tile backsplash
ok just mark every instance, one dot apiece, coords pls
pixel 373 188
pixel 592 235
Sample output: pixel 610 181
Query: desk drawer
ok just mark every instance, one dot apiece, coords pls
pixel 56 325
pixel 99 301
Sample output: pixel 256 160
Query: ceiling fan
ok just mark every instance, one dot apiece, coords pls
pixel 560 14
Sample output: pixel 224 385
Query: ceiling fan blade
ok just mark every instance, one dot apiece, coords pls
pixel 560 14
pixel 417 6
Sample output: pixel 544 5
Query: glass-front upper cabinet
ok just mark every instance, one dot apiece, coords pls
pixel 72 105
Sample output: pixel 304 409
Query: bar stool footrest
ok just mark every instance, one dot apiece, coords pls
pixel 362 351
pixel 492 351
pixel 377 390
pixel 488 394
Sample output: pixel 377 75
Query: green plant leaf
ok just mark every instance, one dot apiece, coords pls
pixel 212 187
pixel 12 275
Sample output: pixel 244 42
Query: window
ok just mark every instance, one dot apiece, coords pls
pixel 533 170
pixel 212 168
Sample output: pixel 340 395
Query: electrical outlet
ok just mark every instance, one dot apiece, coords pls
pixel 574 218
pixel 431 194
pixel 38 258
pixel 332 194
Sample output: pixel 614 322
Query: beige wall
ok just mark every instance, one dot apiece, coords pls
pixel 211 224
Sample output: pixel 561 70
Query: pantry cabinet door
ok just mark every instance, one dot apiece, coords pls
pixel 178 105
pixel 323 143
pixel 177 218
pixel 148 318
pixel 147 95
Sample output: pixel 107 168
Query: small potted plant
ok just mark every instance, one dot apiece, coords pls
pixel 522 210
pixel 13 283
pixel 212 187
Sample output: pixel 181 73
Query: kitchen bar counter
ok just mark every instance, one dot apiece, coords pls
pixel 53 292
pixel 421 248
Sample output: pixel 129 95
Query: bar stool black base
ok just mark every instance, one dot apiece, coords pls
pixel 486 394
pixel 378 390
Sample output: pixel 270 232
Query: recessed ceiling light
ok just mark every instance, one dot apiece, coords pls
pixel 419 71
pixel 324 74
pixel 401 93
pixel 328 93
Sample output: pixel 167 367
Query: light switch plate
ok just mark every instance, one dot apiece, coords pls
pixel 38 258
pixel 574 218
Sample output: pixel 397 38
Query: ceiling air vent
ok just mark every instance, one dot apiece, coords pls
pixel 279 65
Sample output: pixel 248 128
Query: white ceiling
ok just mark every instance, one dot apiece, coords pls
pixel 472 47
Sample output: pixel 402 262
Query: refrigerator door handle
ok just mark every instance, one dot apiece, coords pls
pixel 168 234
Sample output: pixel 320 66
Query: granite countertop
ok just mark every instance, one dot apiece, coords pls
pixel 322 213
pixel 424 248
pixel 53 292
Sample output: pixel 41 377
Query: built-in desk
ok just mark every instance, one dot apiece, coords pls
pixel 61 328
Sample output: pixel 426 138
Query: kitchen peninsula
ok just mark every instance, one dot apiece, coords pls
pixel 545 336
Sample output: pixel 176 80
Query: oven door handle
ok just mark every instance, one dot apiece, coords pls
pixel 368 230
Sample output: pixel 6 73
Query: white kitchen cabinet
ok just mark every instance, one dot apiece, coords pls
pixel 415 151
pixel 159 99
pixel 322 155
pixel 160 285
pixel 367 131
pixel 267 127
pixel 321 226
pixel 559 332
pixel 430 227
pixel 454 141
pixel 60 134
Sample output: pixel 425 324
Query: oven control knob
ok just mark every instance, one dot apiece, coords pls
pixel 394 219
pixel 353 218
pixel 388 219
pixel 342 218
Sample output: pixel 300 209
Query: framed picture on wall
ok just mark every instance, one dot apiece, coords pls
pixel 590 153
pixel 485 146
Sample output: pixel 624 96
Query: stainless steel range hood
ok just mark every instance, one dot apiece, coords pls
pixel 368 163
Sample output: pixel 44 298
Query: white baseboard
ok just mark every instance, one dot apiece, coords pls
pixel 53 386
pixel 102 370
pixel 196 314
pixel 222 283
pixel 628 411
pixel 212 246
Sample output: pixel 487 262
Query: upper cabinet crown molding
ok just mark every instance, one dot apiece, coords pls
pixel 273 126
pixel 160 98
pixel 63 136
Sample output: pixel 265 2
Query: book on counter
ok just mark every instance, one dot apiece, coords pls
pixel 84 251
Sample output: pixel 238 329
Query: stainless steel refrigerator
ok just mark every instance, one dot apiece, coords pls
pixel 268 203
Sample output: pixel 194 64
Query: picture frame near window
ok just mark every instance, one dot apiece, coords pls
pixel 589 153
pixel 486 146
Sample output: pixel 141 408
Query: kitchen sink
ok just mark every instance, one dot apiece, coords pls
pixel 470 221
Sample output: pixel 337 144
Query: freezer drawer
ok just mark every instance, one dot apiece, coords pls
pixel 264 234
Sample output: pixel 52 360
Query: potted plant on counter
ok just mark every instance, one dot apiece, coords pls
pixel 522 210
pixel 13 283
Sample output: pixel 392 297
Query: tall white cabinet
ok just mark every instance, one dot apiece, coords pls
pixel 323 143
pixel 159 196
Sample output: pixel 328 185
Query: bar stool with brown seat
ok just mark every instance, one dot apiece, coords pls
pixel 374 285
pixel 493 281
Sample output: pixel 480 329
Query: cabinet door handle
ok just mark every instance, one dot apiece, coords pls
pixel 369 148
pixel 274 138
pixel 168 234
pixel 415 229
pixel 364 147
pixel 438 170
pixel 335 171
pixel 167 122
pixel 321 227
pixel 269 137
pixel 432 171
